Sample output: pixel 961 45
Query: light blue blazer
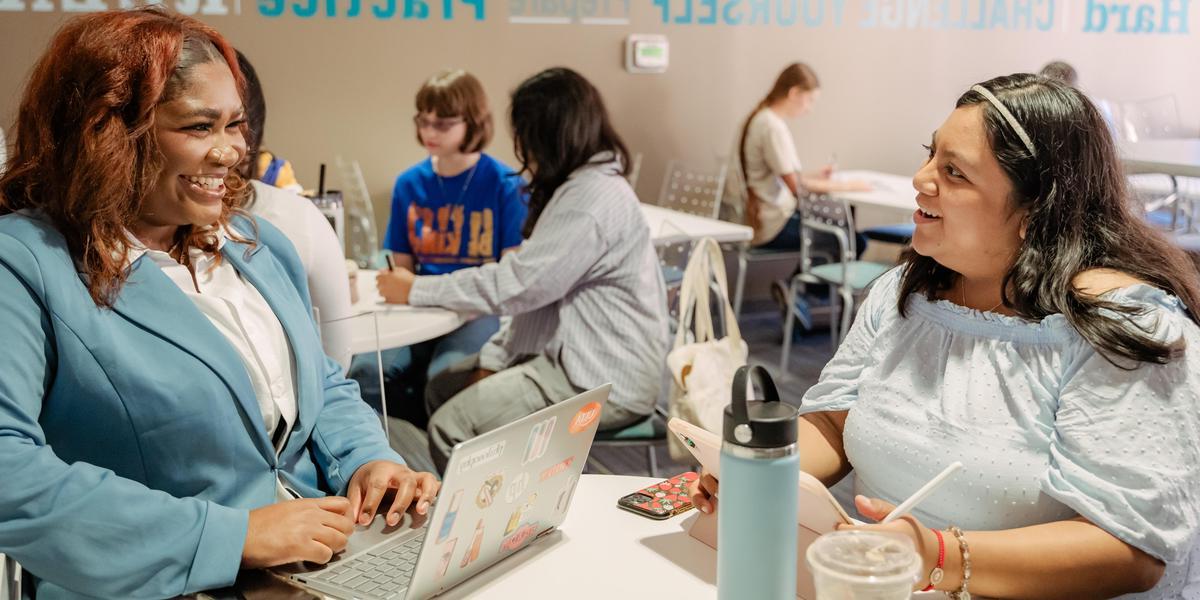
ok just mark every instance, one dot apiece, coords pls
pixel 131 442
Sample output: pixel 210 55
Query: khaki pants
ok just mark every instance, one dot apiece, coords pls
pixel 460 412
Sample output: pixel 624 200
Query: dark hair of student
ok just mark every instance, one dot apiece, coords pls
pixel 1061 71
pixel 559 124
pixel 256 117
pixel 1079 217
pixel 794 75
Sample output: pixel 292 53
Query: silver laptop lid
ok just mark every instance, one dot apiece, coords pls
pixel 505 488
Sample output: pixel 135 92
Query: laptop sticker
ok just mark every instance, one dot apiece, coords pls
pixel 556 469
pixel 564 497
pixel 472 553
pixel 481 457
pixel 539 440
pixel 583 419
pixel 447 552
pixel 448 522
pixel 515 519
pixel 520 538
pixel 516 487
pixel 489 490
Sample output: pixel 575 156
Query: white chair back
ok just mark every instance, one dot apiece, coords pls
pixel 362 238
pixel 1151 119
pixel 692 191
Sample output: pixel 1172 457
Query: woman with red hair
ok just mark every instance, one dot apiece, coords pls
pixel 167 415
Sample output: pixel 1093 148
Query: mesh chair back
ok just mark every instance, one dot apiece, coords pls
pixel 1151 119
pixel 692 191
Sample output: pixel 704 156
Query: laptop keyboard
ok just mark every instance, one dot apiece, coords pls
pixel 383 572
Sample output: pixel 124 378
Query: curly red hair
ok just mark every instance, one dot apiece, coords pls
pixel 86 155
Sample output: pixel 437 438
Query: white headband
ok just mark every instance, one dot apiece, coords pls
pixel 1008 116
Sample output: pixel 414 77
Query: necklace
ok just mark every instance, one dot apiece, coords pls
pixel 963 288
pixel 466 184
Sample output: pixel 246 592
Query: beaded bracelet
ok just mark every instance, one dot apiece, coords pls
pixel 962 593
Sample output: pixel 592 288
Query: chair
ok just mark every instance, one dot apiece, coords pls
pixel 846 278
pixel 10 579
pixel 647 433
pixel 897 233
pixel 672 259
pixel 1151 119
pixel 635 169
pixel 1161 196
pixel 692 191
pixel 747 254
pixel 362 240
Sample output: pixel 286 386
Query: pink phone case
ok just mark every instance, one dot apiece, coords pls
pixel 666 498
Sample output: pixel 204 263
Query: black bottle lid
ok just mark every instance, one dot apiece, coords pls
pixel 766 423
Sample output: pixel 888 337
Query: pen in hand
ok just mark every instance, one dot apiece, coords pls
pixel 922 493
pixel 391 265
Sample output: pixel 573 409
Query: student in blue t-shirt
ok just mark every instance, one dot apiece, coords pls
pixel 458 208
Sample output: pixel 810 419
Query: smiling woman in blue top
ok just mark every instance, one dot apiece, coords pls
pixel 167 414
pixel 458 208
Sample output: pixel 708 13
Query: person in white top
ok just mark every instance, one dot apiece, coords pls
pixel 765 154
pixel 302 222
pixel 766 196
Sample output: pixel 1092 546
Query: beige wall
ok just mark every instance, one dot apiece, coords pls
pixel 345 86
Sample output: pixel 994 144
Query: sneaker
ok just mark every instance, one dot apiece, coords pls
pixel 779 291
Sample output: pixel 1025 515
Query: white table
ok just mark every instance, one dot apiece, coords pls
pixel 668 227
pixel 888 191
pixel 600 552
pixel 603 552
pixel 399 325
pixel 1178 157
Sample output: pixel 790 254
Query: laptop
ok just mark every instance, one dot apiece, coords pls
pixel 501 491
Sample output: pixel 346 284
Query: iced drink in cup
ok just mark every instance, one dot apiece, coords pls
pixel 863 565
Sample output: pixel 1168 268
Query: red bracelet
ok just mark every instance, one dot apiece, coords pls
pixel 935 576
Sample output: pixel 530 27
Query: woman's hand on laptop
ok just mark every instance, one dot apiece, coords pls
pixel 373 481
pixel 309 529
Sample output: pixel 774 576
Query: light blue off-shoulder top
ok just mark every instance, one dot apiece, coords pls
pixel 1045 426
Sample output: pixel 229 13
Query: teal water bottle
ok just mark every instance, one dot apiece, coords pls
pixel 757 502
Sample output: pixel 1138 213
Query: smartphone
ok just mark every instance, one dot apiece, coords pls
pixel 662 500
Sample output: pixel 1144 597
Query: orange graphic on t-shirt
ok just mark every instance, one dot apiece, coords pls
pixel 443 236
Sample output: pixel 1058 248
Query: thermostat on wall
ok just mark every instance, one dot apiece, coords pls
pixel 646 53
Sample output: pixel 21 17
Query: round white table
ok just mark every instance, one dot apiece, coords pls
pixel 669 227
pixel 398 325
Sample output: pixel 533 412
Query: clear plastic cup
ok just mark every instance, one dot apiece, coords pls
pixel 863 565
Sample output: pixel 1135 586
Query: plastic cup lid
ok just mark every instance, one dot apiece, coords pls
pixel 874 554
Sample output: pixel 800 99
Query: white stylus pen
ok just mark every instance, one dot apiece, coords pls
pixel 920 494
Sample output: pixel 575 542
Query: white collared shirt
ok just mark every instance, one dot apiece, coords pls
pixel 242 315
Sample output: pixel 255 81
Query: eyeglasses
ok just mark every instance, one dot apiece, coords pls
pixel 439 125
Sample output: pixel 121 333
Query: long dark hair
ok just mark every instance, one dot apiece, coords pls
pixel 559 123
pixel 794 75
pixel 1079 217
pixel 255 105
